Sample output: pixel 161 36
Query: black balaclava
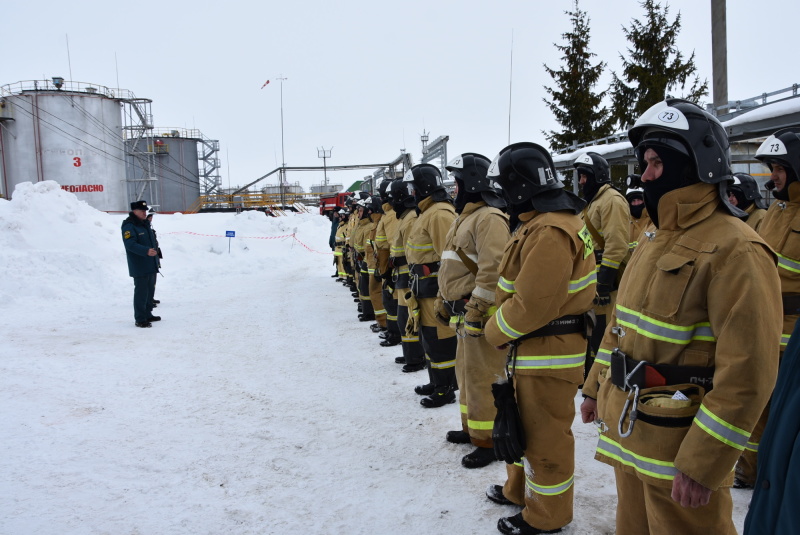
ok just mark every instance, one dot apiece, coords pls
pixel 678 172
pixel 782 195
pixel 464 197
pixel 591 187
pixel 636 211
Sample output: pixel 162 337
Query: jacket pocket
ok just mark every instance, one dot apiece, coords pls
pixel 668 285
pixel 791 247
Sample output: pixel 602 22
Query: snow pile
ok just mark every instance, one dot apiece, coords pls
pixel 259 405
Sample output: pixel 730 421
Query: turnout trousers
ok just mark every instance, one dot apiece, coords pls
pixel 412 347
pixel 376 298
pixel 144 288
pixel 363 294
pixel 478 365
pixel 439 343
pixel 547 409
pixel 390 305
pixel 643 508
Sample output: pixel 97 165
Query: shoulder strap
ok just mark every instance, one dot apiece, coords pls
pixel 593 231
pixel 471 266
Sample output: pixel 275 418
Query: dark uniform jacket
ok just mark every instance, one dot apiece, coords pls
pixel 138 237
pixel 774 508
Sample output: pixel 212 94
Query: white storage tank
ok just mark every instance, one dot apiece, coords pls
pixel 69 132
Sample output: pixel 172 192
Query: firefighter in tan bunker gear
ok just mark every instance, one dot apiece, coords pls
pixel 685 367
pixel 424 248
pixel 779 228
pixel 373 208
pixel 607 218
pixel 467 281
pixel 546 286
pixel 341 235
pixel 384 232
pixel 744 194
pixel 362 231
pixel 403 203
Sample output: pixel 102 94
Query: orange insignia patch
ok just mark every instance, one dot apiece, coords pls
pixel 127 234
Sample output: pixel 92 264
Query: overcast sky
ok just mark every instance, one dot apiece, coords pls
pixel 363 77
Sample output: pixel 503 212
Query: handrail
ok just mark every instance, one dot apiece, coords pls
pixel 67 86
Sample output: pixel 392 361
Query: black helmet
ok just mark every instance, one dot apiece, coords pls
pixel 746 186
pixel 470 169
pixel 685 127
pixel 401 195
pixel 633 181
pixel 782 148
pixel 383 189
pixel 594 166
pixel 425 178
pixel 524 170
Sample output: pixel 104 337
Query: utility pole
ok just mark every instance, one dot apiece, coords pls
pixel 719 55
pixel 283 155
pixel 324 153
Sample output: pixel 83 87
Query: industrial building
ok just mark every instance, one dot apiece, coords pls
pixel 100 143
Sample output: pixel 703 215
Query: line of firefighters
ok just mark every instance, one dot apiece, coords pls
pixel 674 366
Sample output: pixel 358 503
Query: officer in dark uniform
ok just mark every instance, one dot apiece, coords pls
pixel 142 252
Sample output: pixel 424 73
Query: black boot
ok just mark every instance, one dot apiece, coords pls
pixel 400 360
pixel 424 390
pixel 442 395
pixel 514 525
pixel 479 458
pixel 366 317
pixel 390 341
pixel 376 328
pixel 457 437
pixel 495 493
pixel 143 324
pixel 410 368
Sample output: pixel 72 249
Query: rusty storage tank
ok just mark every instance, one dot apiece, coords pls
pixel 69 132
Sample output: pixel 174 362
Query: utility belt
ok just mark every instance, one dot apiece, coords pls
pixel 424 281
pixel 791 304
pixel 559 326
pixel 425 270
pixel 397 261
pixel 628 374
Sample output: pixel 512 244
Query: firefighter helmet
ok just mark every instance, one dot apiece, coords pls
pixel 524 170
pixel 685 127
pixel 425 179
pixel 594 166
pixel 746 186
pixel 782 148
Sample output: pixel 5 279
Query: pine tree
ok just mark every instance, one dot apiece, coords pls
pixel 575 106
pixel 655 68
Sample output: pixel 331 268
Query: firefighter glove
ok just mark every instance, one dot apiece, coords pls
pixel 477 311
pixel 606 276
pixel 440 312
pixel 412 325
pixel 508 435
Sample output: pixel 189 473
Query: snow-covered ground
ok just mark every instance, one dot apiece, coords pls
pixel 259 405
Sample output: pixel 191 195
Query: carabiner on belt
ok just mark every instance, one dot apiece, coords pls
pixel 634 408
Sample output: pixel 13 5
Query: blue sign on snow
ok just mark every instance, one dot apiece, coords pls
pixel 230 233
